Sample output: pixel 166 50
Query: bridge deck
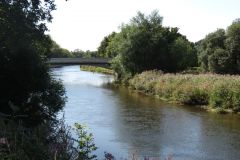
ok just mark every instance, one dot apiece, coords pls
pixel 69 61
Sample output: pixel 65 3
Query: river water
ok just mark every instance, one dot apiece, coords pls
pixel 124 122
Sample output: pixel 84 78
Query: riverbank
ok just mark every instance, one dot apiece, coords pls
pixel 220 93
pixel 97 69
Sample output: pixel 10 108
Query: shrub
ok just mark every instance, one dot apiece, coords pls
pixel 189 94
pixel 221 96
pixel 46 141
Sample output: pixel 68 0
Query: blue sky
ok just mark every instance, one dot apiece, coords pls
pixel 82 24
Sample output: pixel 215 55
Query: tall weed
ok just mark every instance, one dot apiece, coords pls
pixel 213 90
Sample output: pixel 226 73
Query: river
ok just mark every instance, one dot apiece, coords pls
pixel 124 122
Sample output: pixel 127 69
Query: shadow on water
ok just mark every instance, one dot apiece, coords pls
pixel 124 121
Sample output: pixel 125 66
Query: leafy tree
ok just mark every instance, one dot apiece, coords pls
pixel 57 52
pixel 144 44
pixel 89 54
pixel 233 45
pixel 78 53
pixel 27 90
pixel 182 54
pixel 219 51
pixel 219 61
pixel 210 45
pixel 102 49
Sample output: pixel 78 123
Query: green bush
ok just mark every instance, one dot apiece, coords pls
pixel 236 99
pixel 226 95
pixel 189 94
pixel 221 96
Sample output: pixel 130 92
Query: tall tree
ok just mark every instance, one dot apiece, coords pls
pixel 233 45
pixel 219 52
pixel 210 49
pixel 102 49
pixel 58 52
pixel 25 83
pixel 144 44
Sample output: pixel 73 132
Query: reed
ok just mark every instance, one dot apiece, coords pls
pixel 96 69
pixel 215 92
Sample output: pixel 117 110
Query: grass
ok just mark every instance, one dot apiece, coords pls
pixel 220 93
pixel 97 69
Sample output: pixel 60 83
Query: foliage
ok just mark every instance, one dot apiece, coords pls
pixel 86 143
pixel 219 51
pixel 216 91
pixel 233 45
pixel 96 69
pixel 90 54
pixel 77 53
pixel 30 98
pixel 102 49
pixel 19 142
pixel 193 70
pixel 118 67
pixel 26 85
pixel 57 52
pixel 144 44
pixel 46 141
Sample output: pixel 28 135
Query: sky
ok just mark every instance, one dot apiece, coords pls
pixel 82 24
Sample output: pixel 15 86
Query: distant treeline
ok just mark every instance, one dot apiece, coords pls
pixel 57 51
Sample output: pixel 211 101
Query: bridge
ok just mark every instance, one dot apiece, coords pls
pixel 80 61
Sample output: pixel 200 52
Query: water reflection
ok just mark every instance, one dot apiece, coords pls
pixel 154 128
pixel 124 121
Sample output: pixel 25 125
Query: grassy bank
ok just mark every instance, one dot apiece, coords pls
pixel 214 92
pixel 96 69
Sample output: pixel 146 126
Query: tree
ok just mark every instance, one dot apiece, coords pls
pixel 102 49
pixel 144 44
pixel 89 54
pixel 219 51
pixel 27 89
pixel 213 43
pixel 23 23
pixel 182 54
pixel 219 61
pixel 57 52
pixel 233 45
pixel 78 53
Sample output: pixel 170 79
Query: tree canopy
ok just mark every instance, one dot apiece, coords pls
pixel 26 85
pixel 219 51
pixel 102 49
pixel 56 51
pixel 144 44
